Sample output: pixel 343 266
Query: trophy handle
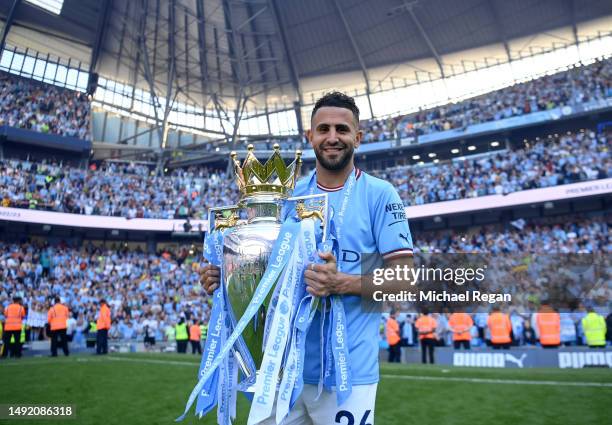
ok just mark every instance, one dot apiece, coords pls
pixel 320 210
pixel 223 217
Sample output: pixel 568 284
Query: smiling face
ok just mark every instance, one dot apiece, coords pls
pixel 334 135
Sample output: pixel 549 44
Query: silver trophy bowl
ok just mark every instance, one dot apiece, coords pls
pixel 246 250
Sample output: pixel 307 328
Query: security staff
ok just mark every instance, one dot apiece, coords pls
pixel 14 315
pixel 22 335
pixel 203 331
pixel 181 336
pixel 426 326
pixel 103 324
pixel 194 338
pixel 461 325
pixel 548 324
pixel 594 327
pixel 57 316
pixel 500 328
pixel 92 334
pixel 393 338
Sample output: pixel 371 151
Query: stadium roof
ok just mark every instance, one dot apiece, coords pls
pixel 219 50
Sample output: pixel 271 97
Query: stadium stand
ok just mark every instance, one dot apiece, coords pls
pixel 49 109
pixel 42 107
pixel 576 235
pixel 113 189
pixel 570 87
pixel 549 162
pixel 134 191
pixel 164 286
pixel 136 285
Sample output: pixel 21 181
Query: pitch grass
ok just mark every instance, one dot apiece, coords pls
pixel 152 389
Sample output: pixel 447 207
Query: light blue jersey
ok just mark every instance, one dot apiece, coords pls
pixel 374 222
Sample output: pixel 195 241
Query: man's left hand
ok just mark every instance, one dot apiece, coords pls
pixel 324 279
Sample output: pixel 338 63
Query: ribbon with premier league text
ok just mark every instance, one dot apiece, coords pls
pixel 207 398
pixel 281 253
pixel 292 382
pixel 334 338
pixel 280 350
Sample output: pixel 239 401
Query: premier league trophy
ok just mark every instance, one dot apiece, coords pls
pixel 261 312
pixel 247 245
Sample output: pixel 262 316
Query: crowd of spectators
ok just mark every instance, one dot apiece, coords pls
pixel 573 235
pixel 136 191
pixel 548 162
pixel 379 130
pixel 114 189
pixel 43 107
pixel 537 262
pixel 141 289
pixel 574 86
pixel 156 290
pixel 562 261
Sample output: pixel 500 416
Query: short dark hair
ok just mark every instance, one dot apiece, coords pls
pixel 339 100
pixel 57 299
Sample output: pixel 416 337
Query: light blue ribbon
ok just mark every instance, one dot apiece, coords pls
pixel 275 352
pixel 228 370
pixel 302 325
pixel 281 253
pixel 334 343
pixel 207 398
pixel 340 351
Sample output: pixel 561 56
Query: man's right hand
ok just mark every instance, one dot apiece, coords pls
pixel 210 276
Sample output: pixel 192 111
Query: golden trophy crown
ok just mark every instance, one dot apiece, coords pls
pixel 273 177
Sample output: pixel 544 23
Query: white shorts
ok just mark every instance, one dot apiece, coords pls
pixel 357 410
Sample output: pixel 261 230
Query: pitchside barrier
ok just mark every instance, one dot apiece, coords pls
pixel 564 358
pixel 41 348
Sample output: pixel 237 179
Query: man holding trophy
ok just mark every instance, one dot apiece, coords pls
pixel 338 366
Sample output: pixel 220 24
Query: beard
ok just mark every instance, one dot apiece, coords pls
pixel 338 163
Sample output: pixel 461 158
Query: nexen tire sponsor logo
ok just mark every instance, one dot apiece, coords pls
pixel 580 359
pixel 499 360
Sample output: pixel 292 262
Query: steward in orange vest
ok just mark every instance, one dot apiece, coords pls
pixel 194 338
pixel 548 324
pixel 461 325
pixel 14 315
pixel 103 324
pixel 500 328
pixel 57 316
pixel 426 325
